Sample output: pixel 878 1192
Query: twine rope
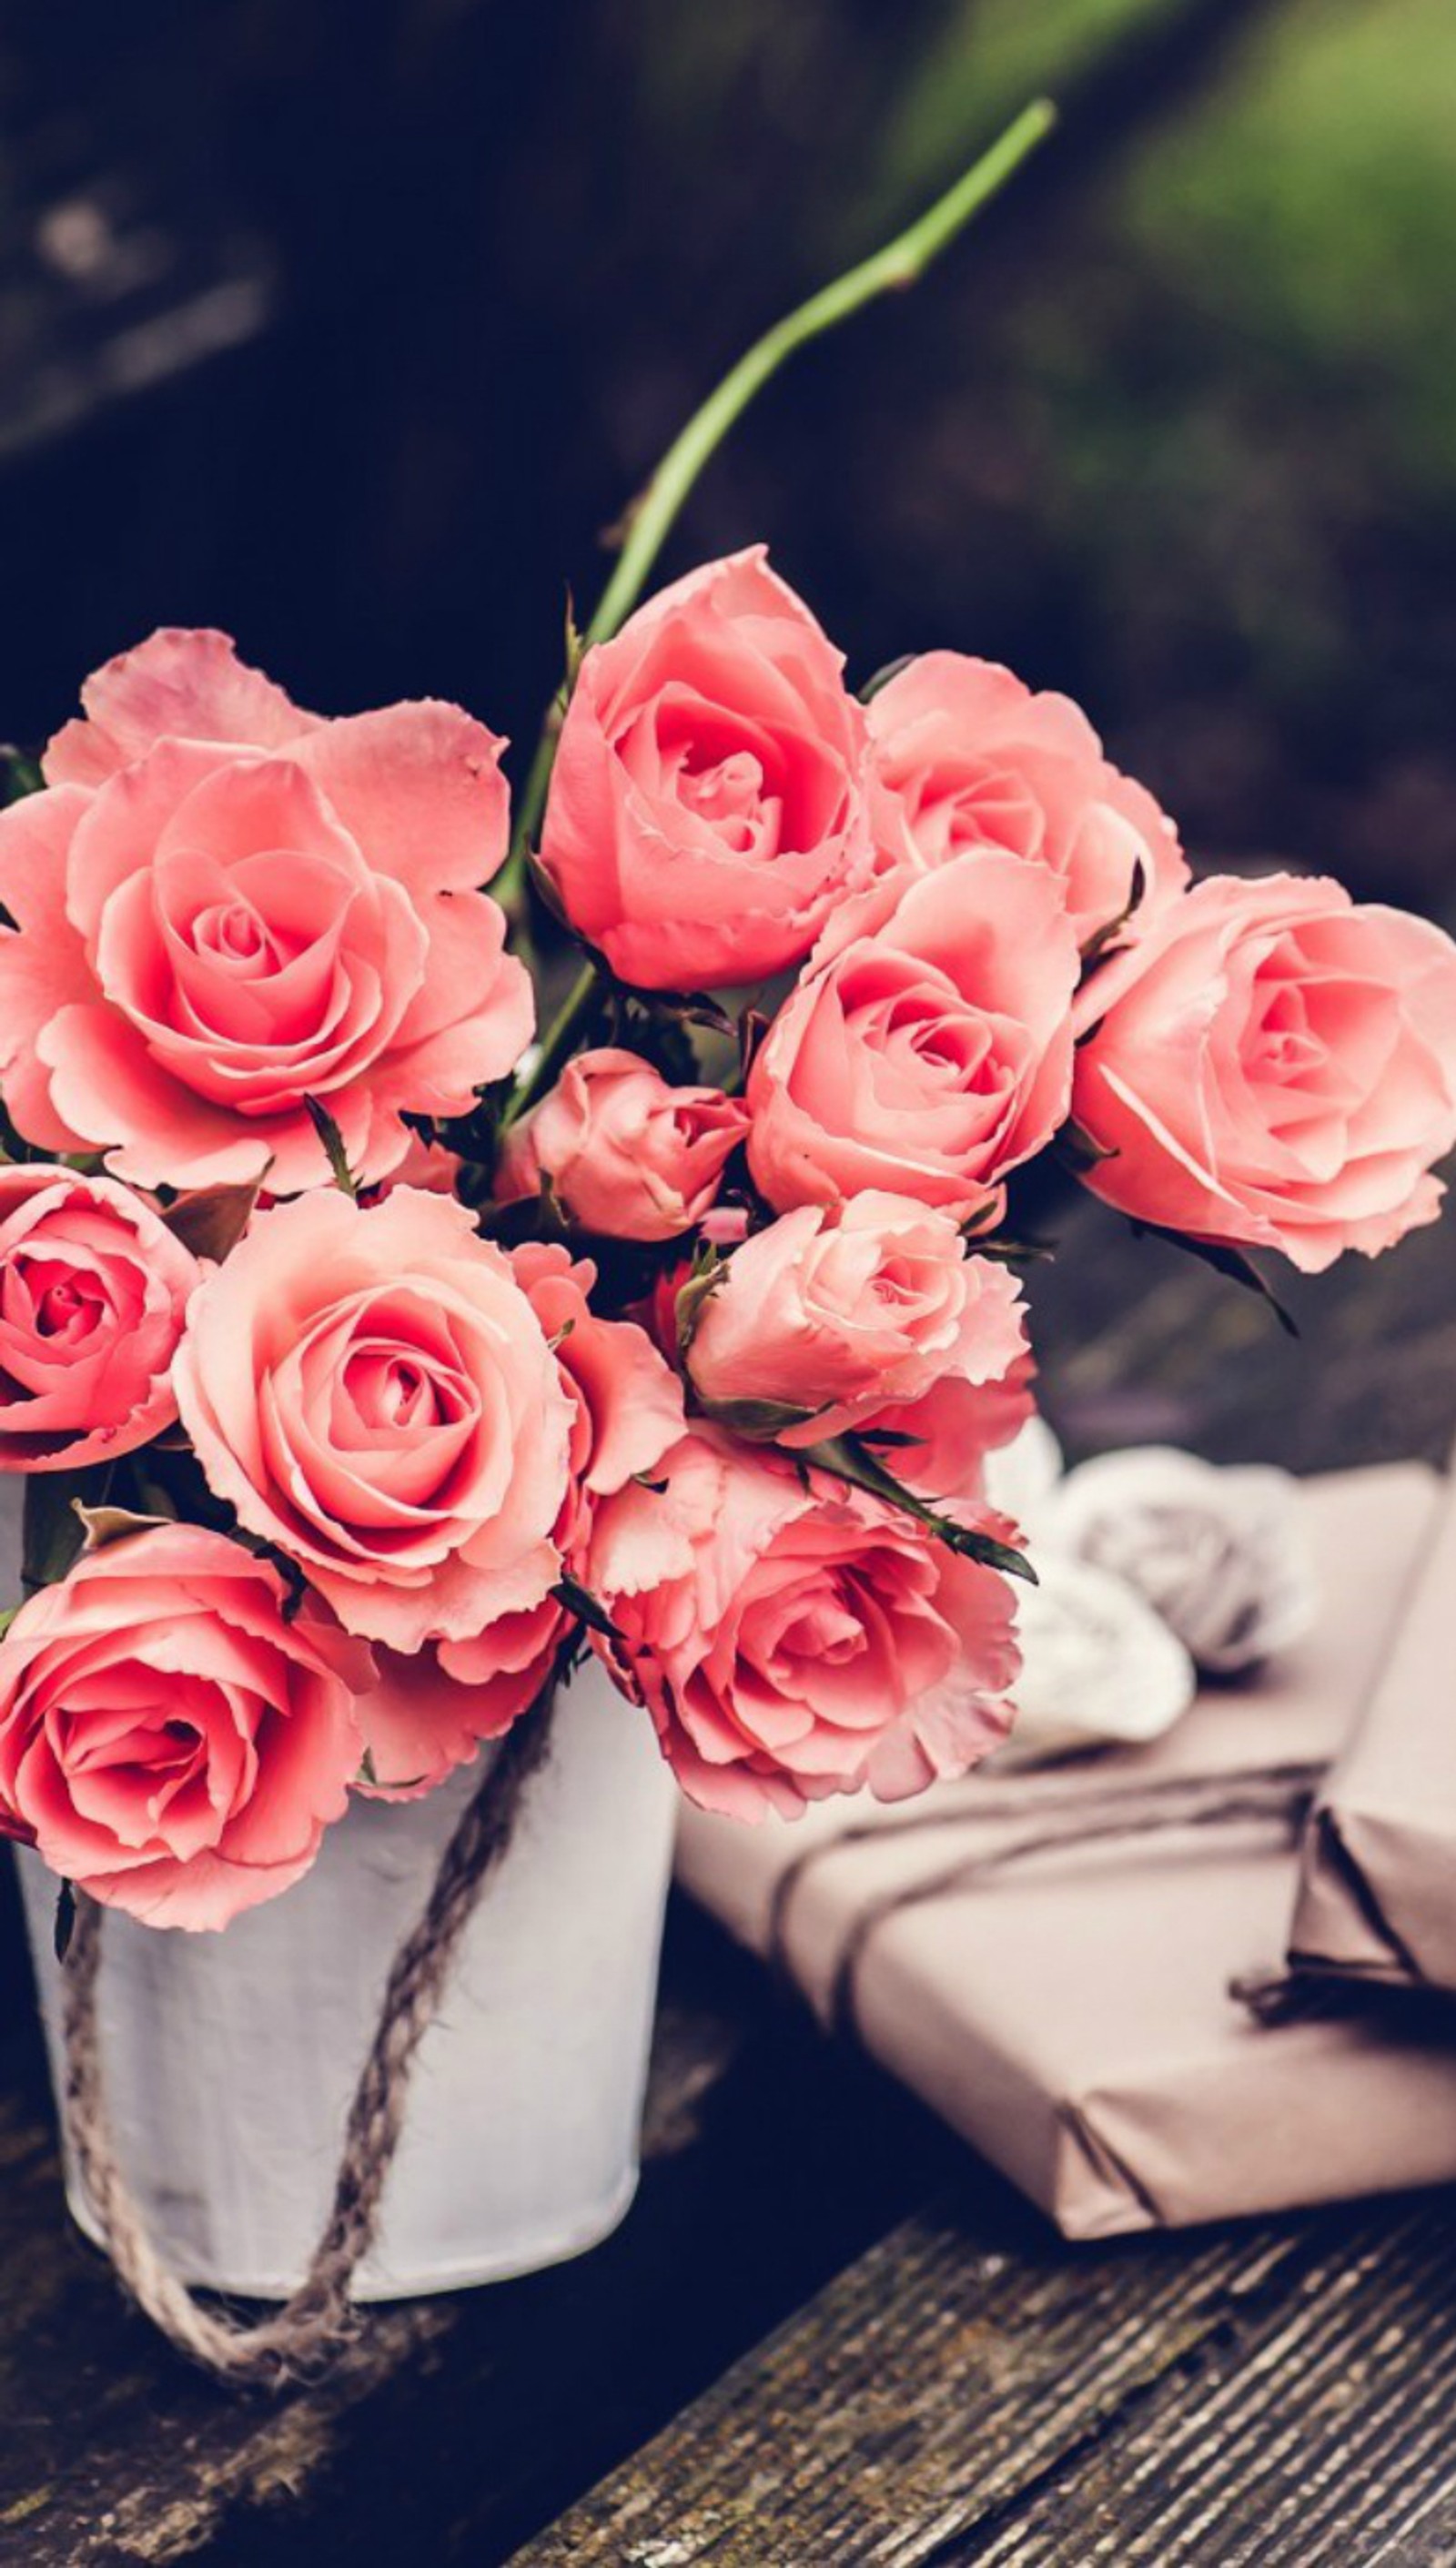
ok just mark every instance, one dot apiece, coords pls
pixel 318 2321
pixel 1078 1819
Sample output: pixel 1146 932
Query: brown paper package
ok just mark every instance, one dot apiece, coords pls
pixel 1071 2014
pixel 1377 1886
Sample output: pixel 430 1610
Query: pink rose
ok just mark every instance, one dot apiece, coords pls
pixel 427 1165
pixel 793 1642
pixel 93 1292
pixel 180 684
pixel 972 758
pixel 226 907
pixel 171 1739
pixel 372 1391
pixel 1275 1068
pixel 626 1402
pixel 951 1429
pixel 419 1722
pixel 927 1050
pixel 849 1310
pixel 429 1714
pixel 626 1154
pixel 707 801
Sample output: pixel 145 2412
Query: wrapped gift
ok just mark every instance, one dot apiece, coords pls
pixel 1377 1887
pixel 1049 1958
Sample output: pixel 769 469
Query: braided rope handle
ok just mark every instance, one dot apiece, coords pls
pixel 319 2320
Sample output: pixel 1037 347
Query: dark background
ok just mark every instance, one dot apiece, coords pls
pixel 346 326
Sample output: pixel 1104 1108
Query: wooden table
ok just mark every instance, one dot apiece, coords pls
pixel 826 2334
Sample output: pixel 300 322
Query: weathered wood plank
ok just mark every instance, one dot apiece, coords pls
pixel 1427 2541
pixel 1273 2396
pixel 1315 2432
pixel 112 2451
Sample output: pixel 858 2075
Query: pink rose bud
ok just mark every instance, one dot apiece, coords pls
pixel 428 1713
pixel 969 756
pixel 844 1313
pixel 373 1392
pixel 626 1154
pixel 793 1642
pixel 1275 1068
pixel 707 801
pixel 172 1739
pixel 93 1289
pixel 226 907
pixel 725 1225
pixel 928 1050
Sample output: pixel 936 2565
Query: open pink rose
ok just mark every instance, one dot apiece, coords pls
pixel 793 1642
pixel 93 1293
pixel 847 1310
pixel 372 1391
pixel 946 1429
pixel 973 758
pixel 928 1050
pixel 171 1739
pixel 226 907
pixel 626 1154
pixel 429 1714
pixel 1275 1068
pixel 180 684
pixel 707 801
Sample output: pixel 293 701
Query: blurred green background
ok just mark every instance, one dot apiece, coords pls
pixel 348 327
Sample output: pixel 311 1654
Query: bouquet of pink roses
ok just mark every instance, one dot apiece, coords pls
pixel 369 1365
pixel 371 1355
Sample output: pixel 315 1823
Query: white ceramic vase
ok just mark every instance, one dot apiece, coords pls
pixel 230 2059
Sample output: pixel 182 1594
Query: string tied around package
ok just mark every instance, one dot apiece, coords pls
pixel 1068 1824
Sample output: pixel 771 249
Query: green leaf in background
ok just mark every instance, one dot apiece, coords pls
pixel 1311 197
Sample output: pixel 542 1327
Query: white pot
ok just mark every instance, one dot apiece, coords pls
pixel 230 2059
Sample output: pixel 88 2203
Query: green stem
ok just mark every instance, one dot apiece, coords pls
pixel 901 264
pixel 578 1005
pixel 532 804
